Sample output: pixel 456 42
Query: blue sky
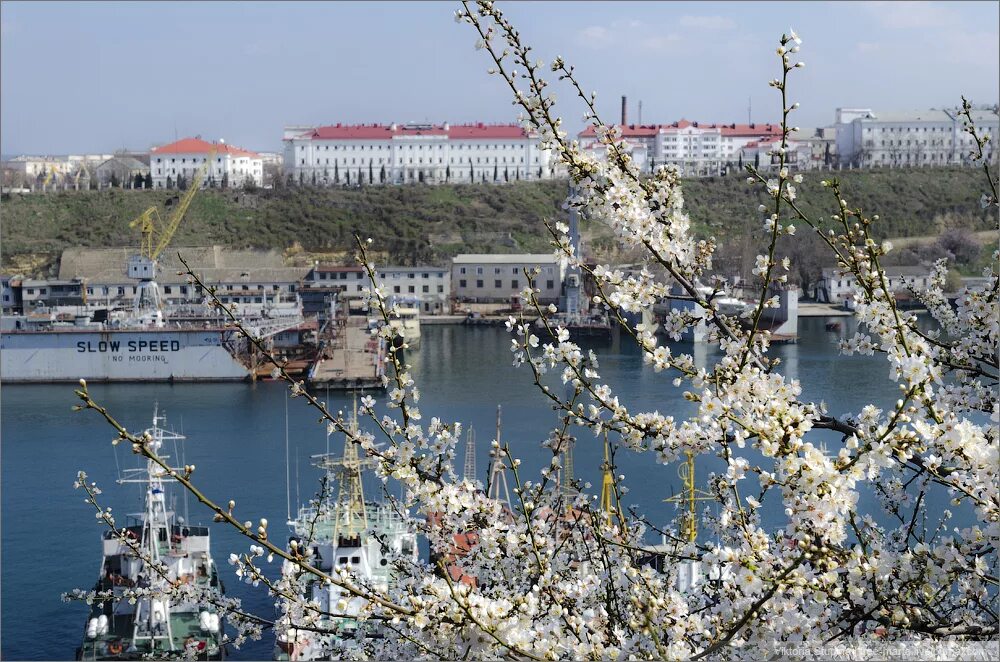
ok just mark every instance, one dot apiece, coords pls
pixel 81 77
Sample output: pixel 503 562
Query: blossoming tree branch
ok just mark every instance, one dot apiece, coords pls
pixel 558 578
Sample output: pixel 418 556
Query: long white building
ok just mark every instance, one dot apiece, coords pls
pixel 697 148
pixel 231 166
pixel 409 153
pixel 919 138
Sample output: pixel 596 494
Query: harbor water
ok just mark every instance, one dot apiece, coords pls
pixel 237 439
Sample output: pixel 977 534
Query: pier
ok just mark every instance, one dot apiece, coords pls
pixel 349 357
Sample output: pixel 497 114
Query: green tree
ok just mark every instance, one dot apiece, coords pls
pixel 137 182
pixel 149 180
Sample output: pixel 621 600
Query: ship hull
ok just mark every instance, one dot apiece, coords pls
pixel 155 355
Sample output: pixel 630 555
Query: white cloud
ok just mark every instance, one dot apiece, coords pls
pixel 658 43
pixel 708 22
pixel 910 15
pixel 967 48
pixel 596 35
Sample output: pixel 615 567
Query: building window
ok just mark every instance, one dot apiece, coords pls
pixel 395 289
pixel 411 289
pixel 461 283
pixel 441 289
pixel 514 284
pixel 550 284
pixel 497 283
pixel 426 289
pixel 479 271
pixel 479 284
pixel 461 270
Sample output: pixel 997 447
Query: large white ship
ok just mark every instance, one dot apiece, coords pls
pixel 72 345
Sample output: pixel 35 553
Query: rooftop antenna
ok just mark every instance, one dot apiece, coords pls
pixel 497 487
pixel 749 110
pixel 470 456
pixel 640 112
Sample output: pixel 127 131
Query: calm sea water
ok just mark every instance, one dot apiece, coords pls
pixel 236 437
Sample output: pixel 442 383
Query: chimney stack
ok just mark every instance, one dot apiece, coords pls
pixel 624 111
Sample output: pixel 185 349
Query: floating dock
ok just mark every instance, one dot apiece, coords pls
pixel 349 358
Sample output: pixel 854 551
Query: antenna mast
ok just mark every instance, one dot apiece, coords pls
pixel 691 494
pixel 497 488
pixel 610 506
pixel 470 456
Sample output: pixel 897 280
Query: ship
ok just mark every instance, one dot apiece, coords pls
pixel 151 342
pixel 350 532
pixel 141 621
pixel 164 344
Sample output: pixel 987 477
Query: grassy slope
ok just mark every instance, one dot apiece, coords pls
pixel 421 223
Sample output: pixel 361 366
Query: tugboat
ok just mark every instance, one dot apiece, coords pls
pixel 350 532
pixel 155 624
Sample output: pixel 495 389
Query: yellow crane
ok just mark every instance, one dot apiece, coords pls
pixel 156 235
pixel 82 170
pixel 48 177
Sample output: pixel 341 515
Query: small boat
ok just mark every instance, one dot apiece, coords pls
pixel 153 624
pixel 408 321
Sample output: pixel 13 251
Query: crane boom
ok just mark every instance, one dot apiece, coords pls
pixel 156 235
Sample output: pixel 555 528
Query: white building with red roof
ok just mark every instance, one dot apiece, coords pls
pixel 231 166
pixel 410 153
pixel 697 148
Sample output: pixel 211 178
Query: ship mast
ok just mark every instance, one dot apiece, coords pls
pixel 152 615
pixel 470 456
pixel 610 506
pixel 688 499
pixel 350 516
pixel 497 487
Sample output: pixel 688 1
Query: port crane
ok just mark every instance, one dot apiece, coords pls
pixel 48 177
pixel 156 235
pixel 81 171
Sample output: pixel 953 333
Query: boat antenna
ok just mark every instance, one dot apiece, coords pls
pixel 610 505
pixel 183 461
pixel 470 456
pixel 288 481
pixel 688 498
pixel 497 486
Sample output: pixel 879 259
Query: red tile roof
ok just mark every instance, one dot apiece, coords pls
pixel 387 132
pixel 628 131
pixel 649 130
pixel 199 146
